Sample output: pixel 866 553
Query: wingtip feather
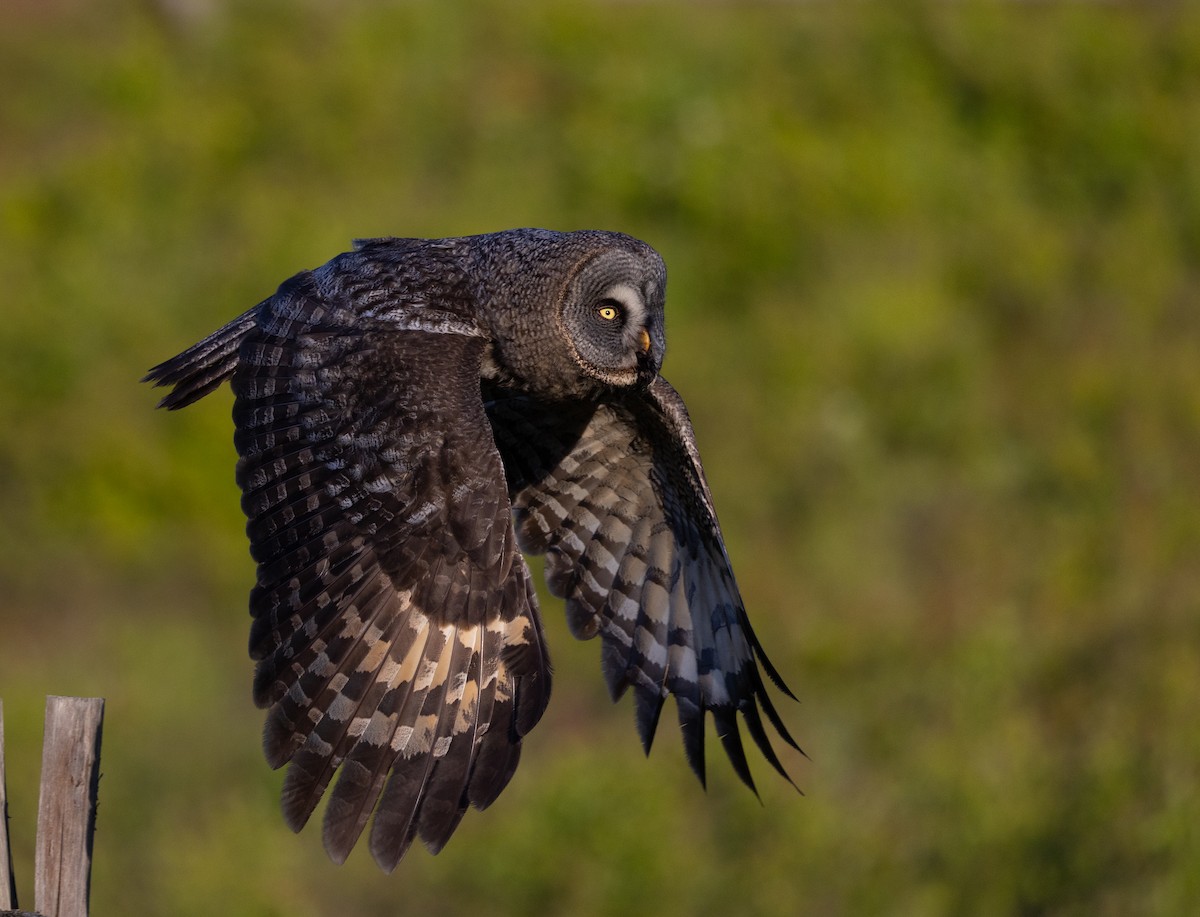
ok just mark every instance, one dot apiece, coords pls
pixel 691 727
pixel 647 709
pixel 204 366
pixel 727 731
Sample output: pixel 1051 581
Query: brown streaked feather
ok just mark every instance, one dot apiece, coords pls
pixel 347 699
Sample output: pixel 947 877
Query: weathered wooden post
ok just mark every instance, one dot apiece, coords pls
pixel 66 810
pixel 67 805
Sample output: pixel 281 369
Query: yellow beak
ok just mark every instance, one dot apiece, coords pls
pixel 644 339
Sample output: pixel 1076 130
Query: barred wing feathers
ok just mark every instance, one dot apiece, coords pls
pixel 395 623
pixel 615 496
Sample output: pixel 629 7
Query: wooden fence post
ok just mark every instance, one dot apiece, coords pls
pixel 67 805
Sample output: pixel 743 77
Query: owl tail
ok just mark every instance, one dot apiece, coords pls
pixel 203 366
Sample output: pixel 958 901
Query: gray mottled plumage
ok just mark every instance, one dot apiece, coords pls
pixel 411 416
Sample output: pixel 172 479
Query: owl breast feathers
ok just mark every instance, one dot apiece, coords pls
pixel 410 417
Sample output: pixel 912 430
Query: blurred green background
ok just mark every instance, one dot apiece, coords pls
pixel 935 308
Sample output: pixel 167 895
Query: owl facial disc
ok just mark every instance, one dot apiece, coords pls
pixel 611 313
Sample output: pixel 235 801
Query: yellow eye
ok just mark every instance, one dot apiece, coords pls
pixel 608 313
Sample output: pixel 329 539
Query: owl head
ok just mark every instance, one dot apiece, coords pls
pixel 574 314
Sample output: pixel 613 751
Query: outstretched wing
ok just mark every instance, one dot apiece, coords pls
pixel 395 625
pixel 614 495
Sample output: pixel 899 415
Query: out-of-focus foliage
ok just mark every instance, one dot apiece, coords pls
pixel 934 306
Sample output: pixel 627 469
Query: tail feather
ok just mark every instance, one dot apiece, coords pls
pixel 204 366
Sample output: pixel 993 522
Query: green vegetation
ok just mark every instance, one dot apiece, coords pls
pixel 934 304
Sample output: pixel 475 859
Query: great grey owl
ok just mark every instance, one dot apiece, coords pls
pixel 411 416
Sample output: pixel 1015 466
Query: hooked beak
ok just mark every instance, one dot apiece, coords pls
pixel 644 340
